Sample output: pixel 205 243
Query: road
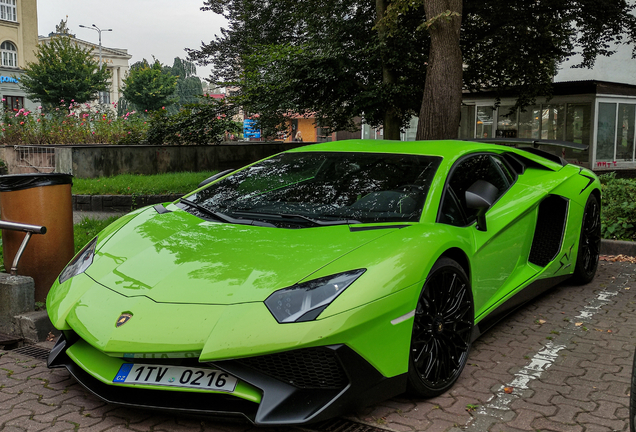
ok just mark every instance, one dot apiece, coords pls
pixel 561 363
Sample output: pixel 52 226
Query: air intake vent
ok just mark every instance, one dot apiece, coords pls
pixel 548 234
pixel 317 368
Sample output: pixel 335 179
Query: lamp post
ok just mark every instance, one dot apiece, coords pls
pixel 98 30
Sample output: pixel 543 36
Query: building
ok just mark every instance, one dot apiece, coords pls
pixel 114 59
pixel 18 42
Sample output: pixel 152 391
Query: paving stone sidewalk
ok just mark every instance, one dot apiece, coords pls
pixel 561 363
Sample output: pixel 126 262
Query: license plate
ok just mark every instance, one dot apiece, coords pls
pixel 175 376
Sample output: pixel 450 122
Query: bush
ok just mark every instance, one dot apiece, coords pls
pixel 205 122
pixel 69 124
pixel 618 213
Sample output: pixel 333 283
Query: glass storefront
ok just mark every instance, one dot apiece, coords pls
pixel 606 131
pixel 570 122
pixel 625 132
pixel 529 122
pixel 484 122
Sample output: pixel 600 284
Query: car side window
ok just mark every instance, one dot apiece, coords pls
pixel 491 168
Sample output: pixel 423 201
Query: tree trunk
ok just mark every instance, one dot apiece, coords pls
pixel 391 123
pixel 441 104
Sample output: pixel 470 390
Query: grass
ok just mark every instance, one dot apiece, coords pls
pixel 132 184
pixel 83 232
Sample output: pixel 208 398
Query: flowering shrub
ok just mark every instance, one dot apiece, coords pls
pixel 69 124
pixel 205 122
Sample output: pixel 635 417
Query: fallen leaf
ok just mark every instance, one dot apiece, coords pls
pixel 578 324
pixel 508 390
pixel 541 321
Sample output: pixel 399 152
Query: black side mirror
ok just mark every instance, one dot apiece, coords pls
pixel 215 176
pixel 481 195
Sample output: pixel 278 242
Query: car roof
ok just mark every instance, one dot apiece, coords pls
pixel 450 150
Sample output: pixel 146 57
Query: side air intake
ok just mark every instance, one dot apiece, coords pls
pixel 548 234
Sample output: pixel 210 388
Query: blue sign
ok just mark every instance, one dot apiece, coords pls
pixel 249 130
pixel 4 79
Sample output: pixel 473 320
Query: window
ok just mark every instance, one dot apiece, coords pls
pixel 104 97
pixel 484 122
pixel 8 11
pixel 490 168
pixel 606 131
pixel 13 103
pixel 9 54
pixel 467 122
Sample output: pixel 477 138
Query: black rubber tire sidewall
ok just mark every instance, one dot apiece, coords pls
pixel 415 385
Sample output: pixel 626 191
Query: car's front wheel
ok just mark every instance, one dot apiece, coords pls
pixel 589 242
pixel 442 329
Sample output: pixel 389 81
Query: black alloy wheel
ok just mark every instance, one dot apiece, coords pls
pixel 442 330
pixel 589 242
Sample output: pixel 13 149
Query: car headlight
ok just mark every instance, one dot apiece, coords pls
pixel 305 301
pixel 80 263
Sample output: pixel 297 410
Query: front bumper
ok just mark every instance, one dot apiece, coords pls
pixel 294 387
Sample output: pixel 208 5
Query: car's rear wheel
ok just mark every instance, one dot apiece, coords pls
pixel 589 242
pixel 442 328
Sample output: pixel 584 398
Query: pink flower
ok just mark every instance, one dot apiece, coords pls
pixel 21 123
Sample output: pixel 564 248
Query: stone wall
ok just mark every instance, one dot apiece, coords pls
pixel 92 161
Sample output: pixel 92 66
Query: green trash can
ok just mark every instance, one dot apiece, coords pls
pixel 38 199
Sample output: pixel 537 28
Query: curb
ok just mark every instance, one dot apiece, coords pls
pixel 118 203
pixel 618 247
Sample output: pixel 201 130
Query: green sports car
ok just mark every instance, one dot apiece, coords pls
pixel 323 278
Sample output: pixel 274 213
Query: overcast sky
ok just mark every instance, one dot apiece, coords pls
pixel 162 28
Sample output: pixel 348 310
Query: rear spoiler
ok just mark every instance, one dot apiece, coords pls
pixel 535 143
pixel 512 142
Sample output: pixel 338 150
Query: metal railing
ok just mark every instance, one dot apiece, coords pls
pixel 29 230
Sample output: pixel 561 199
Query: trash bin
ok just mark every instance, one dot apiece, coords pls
pixel 38 199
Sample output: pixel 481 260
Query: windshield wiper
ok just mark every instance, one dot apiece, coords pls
pixel 222 216
pixel 315 222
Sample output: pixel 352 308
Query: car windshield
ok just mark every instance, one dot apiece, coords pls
pixel 321 188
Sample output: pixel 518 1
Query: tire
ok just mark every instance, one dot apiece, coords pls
pixel 589 243
pixel 632 399
pixel 442 329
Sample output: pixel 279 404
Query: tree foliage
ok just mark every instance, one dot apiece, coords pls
pixel 204 122
pixel 189 86
pixel 63 72
pixel 148 87
pixel 338 59
pixel 321 58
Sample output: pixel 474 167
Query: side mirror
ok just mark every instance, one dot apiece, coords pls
pixel 215 177
pixel 481 195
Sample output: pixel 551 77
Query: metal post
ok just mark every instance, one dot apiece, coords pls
pixel 99 31
pixel 29 230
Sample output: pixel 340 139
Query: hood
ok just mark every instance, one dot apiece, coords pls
pixel 176 257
